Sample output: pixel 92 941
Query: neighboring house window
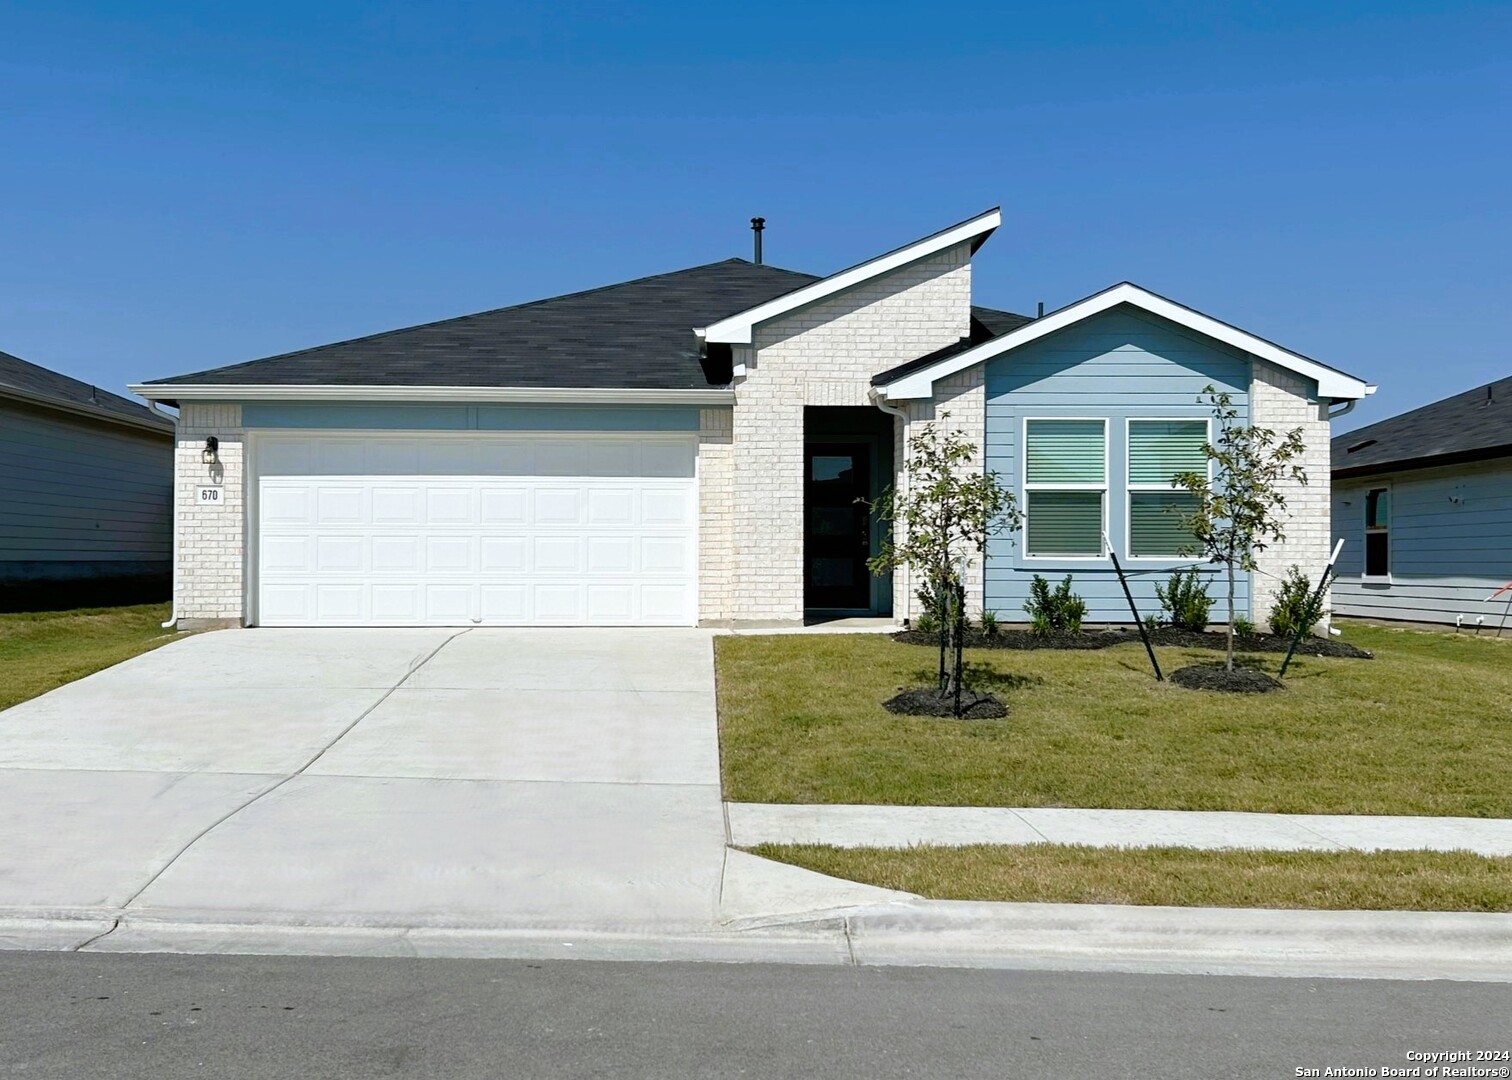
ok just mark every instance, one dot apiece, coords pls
pixel 1065 486
pixel 1378 533
pixel 1158 450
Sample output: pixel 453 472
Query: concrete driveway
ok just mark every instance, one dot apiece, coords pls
pixel 478 778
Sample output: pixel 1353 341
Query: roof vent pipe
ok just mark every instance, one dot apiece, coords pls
pixel 758 224
pixel 1041 314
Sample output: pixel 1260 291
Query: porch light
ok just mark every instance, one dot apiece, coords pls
pixel 209 454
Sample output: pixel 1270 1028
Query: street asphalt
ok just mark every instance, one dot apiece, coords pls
pixel 165 1017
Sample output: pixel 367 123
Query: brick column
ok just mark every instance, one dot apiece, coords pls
pixel 212 541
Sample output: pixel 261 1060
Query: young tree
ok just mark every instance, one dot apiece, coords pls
pixel 1241 510
pixel 945 514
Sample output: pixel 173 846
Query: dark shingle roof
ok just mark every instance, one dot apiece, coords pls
pixel 638 335
pixel 1466 427
pixel 38 384
pixel 986 324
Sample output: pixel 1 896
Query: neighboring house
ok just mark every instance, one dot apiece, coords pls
pixel 86 480
pixel 1423 502
pixel 696 447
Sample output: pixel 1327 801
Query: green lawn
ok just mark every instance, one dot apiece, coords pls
pixel 1425 728
pixel 40 651
pixel 1055 873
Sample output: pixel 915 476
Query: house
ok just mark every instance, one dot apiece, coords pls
pixel 698 447
pixel 86 480
pixel 1423 502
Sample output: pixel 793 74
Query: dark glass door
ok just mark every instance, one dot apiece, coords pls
pixel 837 528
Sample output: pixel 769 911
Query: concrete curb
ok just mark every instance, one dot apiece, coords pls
pixel 917 933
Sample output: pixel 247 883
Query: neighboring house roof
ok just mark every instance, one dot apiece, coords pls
pixel 1471 426
pixel 738 328
pixel 636 335
pixel 916 379
pixel 21 380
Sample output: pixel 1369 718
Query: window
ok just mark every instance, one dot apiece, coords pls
pixel 1378 533
pixel 1065 484
pixel 1158 451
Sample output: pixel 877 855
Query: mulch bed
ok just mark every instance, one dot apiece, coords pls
pixel 927 701
pixel 1217 677
pixel 1165 635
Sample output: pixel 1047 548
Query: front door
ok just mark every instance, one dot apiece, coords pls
pixel 837 529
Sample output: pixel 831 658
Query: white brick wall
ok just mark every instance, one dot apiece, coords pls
pixel 716 513
pixel 212 542
pixel 824 354
pixel 1282 400
pixel 962 400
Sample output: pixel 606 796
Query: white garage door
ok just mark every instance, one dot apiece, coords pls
pixel 476 529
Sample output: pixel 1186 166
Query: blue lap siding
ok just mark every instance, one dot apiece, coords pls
pixel 1119 365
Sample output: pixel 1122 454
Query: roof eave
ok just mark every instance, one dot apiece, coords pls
pixel 1333 385
pixel 162 427
pixel 175 393
pixel 738 329
pixel 1432 461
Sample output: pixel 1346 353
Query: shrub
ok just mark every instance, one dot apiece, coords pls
pixel 926 623
pixel 1243 627
pixel 1185 600
pixel 990 624
pixel 1290 610
pixel 1054 612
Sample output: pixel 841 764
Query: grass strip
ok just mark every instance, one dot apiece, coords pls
pixel 1172 876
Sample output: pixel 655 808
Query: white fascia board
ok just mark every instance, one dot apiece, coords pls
pixel 1332 384
pixel 738 328
pixel 524 394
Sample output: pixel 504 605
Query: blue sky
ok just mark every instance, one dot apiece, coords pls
pixel 187 185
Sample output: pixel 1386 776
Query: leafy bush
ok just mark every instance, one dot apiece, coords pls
pixel 1290 610
pixel 1185 600
pixel 1243 627
pixel 1054 612
pixel 989 623
pixel 926 623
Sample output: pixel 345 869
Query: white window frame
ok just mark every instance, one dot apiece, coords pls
pixel 1366 531
pixel 1026 487
pixel 1130 488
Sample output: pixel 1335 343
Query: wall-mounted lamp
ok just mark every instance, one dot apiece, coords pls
pixel 209 454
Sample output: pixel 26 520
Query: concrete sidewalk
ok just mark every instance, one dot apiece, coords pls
pixel 901 826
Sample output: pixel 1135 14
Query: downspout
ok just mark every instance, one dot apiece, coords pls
pixel 901 413
pixel 1348 408
pixel 174 568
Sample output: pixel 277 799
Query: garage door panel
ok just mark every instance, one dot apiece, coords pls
pixel 558 506
pixel 503 555
pixel 501 529
pixel 448 603
pixel 397 505
pixel 666 506
pixel 340 554
pixel 611 554
pixel 449 505
pixel 611 604
pixel 505 506
pixel 396 554
pixel 397 603
pixel 341 603
pixel 665 555
pixel 507 604
pixel 288 554
pixel 287 504
pixel 612 506
pixel 449 554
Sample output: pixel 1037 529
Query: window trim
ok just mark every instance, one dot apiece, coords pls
pixel 1026 487
pixel 1366 530
pixel 1131 488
